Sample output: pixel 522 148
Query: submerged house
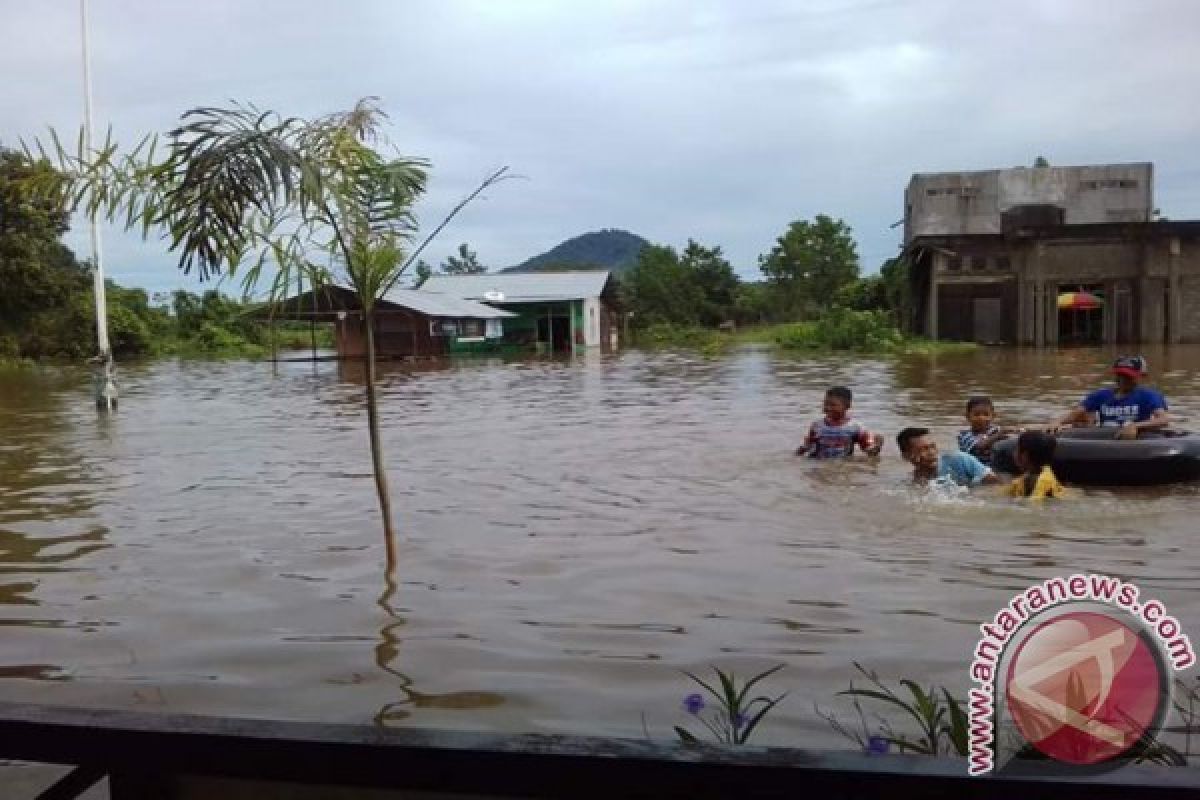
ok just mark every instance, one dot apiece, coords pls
pixel 558 312
pixel 408 323
pixel 1048 255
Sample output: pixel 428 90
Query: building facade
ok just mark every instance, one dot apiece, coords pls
pixel 555 312
pixel 407 323
pixel 994 254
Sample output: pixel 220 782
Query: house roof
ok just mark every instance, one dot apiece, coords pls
pixel 327 301
pixel 438 304
pixel 520 287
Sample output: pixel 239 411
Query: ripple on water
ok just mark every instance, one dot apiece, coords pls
pixel 572 534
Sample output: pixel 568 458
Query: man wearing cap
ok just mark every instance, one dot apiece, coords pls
pixel 1130 407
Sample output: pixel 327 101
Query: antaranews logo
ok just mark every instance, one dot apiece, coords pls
pixel 1088 679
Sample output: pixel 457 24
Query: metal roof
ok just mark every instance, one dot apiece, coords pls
pixel 520 287
pixel 437 304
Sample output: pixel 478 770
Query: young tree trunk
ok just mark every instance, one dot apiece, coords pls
pixel 381 483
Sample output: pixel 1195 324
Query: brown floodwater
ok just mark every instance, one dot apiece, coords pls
pixel 573 534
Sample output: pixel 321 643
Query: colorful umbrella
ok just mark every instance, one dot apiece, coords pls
pixel 1079 301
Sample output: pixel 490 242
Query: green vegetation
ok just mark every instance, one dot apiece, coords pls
pixel 812 298
pixel 465 263
pixel 47 309
pixel 706 341
pixel 736 714
pixel 607 249
pixel 695 288
pixel 939 719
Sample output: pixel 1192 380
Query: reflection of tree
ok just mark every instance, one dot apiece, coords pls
pixel 387 653
pixel 42 484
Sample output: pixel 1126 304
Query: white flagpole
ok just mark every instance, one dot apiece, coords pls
pixel 106 385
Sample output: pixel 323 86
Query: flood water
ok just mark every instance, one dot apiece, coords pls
pixel 573 534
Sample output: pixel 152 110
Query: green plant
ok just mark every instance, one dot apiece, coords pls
pixel 940 719
pixel 736 715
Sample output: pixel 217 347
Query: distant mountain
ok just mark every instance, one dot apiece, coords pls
pixel 606 249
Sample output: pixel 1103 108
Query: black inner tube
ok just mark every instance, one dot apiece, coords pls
pixel 1094 456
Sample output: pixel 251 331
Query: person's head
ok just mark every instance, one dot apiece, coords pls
pixel 1034 450
pixel 837 402
pixel 918 447
pixel 1129 372
pixel 980 413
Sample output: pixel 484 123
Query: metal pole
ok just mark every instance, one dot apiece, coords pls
pixel 105 378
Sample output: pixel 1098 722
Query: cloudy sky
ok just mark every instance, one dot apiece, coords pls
pixel 720 121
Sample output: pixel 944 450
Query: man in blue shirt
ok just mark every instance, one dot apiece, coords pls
pixel 919 449
pixel 1127 406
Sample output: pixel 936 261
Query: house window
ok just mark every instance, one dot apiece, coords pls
pixel 956 191
pixel 494 329
pixel 978 262
pixel 1109 183
pixel 471 328
pixel 1003 263
pixel 954 263
pixel 443 327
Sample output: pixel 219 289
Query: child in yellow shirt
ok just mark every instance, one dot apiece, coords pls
pixel 1035 452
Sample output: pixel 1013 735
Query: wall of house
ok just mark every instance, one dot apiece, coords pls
pixel 960 203
pixel 1151 288
pixel 397 335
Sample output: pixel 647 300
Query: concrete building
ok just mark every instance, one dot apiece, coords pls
pixel 992 253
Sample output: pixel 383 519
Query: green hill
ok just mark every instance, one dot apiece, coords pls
pixel 606 249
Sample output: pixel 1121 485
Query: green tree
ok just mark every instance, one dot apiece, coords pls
pixel 863 294
pixel 465 263
pixel 751 304
pixel 657 290
pixel 897 291
pixel 713 275
pixel 37 272
pixel 423 272
pixel 808 264
pixel 288 200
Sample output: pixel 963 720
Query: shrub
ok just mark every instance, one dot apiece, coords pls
pixel 843 329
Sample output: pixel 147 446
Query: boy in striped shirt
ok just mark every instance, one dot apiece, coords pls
pixel 836 435
pixel 983 433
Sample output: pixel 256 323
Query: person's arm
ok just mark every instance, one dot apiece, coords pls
pixel 1081 415
pixel 870 443
pixel 981 474
pixel 809 440
pixel 1158 419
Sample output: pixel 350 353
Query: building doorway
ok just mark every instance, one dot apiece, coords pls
pixel 1081 309
pixel 555 330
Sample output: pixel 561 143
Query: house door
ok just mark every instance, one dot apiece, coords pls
pixel 989 320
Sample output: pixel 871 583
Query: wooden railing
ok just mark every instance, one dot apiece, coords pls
pixel 174 756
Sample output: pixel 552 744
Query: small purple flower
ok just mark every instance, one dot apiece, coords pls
pixel 877 746
pixel 739 721
pixel 693 703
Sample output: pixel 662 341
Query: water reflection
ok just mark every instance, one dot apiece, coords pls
pixel 387 654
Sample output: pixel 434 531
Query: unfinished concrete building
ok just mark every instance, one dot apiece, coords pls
pixel 994 253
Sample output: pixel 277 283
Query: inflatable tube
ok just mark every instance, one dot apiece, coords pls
pixel 1095 457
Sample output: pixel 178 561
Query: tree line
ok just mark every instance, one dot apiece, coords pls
pixel 811 268
pixel 47 303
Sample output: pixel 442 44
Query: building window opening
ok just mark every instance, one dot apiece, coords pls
pixel 1081 309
